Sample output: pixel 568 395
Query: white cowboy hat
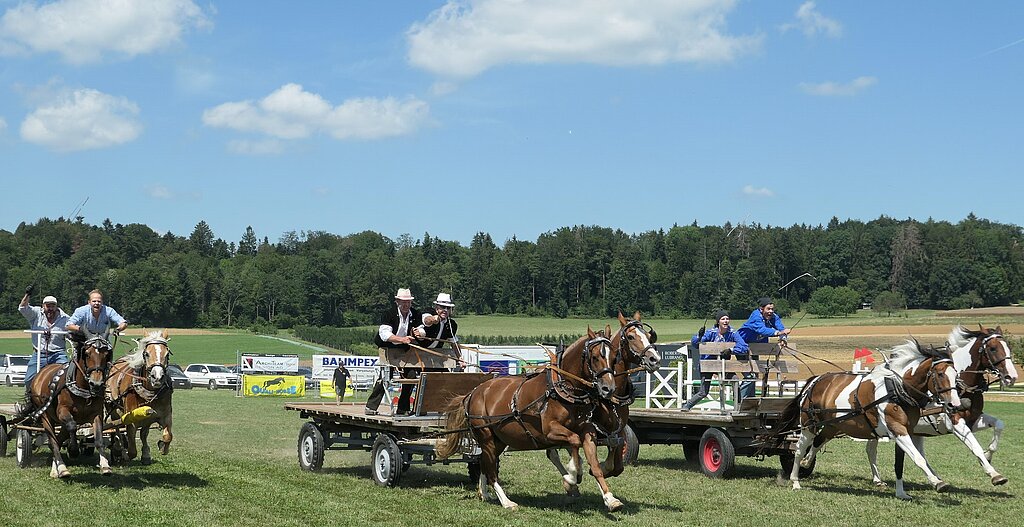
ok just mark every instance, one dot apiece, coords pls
pixel 404 294
pixel 444 299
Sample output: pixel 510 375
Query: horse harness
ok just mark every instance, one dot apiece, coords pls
pixel 139 377
pixel 982 384
pixel 582 402
pixel 68 371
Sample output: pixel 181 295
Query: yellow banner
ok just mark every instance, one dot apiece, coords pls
pixel 273 385
pixel 327 389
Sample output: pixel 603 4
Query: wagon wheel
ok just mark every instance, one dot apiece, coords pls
pixel 386 461
pixel 23 449
pixel 311 447
pixel 691 450
pixel 717 454
pixel 786 460
pixel 4 438
pixel 630 446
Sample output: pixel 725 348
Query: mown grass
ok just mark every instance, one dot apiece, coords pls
pixel 233 462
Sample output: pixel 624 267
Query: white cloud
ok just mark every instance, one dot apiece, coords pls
pixel 81 120
pixel 832 89
pixel 293 113
pixel 3 125
pixel 811 22
pixel 466 37
pixel 83 31
pixel 762 192
pixel 159 192
pixel 256 148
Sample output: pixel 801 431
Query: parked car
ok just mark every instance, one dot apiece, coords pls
pixel 308 374
pixel 213 376
pixel 178 378
pixel 12 369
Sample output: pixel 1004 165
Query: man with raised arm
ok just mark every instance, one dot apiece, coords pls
pixel 50 348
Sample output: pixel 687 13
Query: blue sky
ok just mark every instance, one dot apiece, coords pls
pixel 510 117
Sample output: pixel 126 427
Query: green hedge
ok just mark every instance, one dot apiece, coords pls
pixel 355 340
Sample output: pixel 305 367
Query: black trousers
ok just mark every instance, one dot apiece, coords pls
pixel 377 393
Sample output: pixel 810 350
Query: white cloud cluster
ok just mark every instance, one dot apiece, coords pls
pixel 81 120
pixel 833 89
pixel 762 192
pixel 811 22
pixel 466 37
pixel 293 113
pixel 82 31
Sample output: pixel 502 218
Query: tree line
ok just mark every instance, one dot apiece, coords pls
pixel 317 278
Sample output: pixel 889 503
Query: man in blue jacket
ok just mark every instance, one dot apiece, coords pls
pixel 762 324
pixel 721 332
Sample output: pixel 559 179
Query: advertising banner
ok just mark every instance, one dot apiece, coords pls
pixel 257 363
pixel 362 368
pixel 327 390
pixel 273 385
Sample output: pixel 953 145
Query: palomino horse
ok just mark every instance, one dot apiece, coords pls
pixel 632 345
pixel 541 411
pixel 884 403
pixel 70 394
pixel 976 356
pixel 140 379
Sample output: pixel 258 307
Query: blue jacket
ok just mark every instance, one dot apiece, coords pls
pixel 711 334
pixel 757 329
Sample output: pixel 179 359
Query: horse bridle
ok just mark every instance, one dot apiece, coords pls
pixel 97 343
pixel 635 356
pixel 147 367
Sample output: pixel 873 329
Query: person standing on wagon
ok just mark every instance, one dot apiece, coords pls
pixel 49 317
pixel 762 324
pixel 722 332
pixel 95 317
pixel 396 332
pixel 441 328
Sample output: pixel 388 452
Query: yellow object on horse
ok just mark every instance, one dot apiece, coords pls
pixel 137 415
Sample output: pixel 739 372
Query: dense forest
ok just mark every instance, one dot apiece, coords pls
pixel 323 279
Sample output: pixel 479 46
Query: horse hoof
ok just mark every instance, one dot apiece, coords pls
pixel 512 507
pixel 147 461
pixel 615 506
pixel 881 484
pixel 941 486
pixel 999 479
pixel 904 497
pixel 106 471
pixel 64 474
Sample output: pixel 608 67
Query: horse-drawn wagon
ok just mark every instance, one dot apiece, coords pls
pixel 395 443
pixel 28 437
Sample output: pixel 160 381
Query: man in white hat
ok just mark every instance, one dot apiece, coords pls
pixel 49 317
pixel 396 332
pixel 440 328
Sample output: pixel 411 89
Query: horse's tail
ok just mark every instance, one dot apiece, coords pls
pixel 458 422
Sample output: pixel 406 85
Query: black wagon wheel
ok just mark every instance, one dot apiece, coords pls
pixel 691 450
pixel 630 446
pixel 386 461
pixel 118 448
pixel 311 447
pixel 786 461
pixel 716 454
pixel 4 438
pixel 23 449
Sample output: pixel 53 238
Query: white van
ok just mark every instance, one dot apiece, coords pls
pixel 13 368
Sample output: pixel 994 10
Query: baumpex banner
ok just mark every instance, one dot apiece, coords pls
pixel 362 368
pixel 273 385
pixel 257 363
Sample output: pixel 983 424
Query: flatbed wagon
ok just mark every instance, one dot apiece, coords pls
pixel 394 442
pixel 713 438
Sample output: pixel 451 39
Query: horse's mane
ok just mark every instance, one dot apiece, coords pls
pixel 959 336
pixel 136 359
pixel 911 351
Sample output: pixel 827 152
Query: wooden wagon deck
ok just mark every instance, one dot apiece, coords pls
pixel 354 414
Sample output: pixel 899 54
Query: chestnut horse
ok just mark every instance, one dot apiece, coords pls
pixel 977 356
pixel 884 403
pixel 633 345
pixel 546 410
pixel 71 394
pixel 140 379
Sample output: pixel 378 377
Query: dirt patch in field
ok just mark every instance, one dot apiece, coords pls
pixel 131 332
pixel 905 331
pixel 982 311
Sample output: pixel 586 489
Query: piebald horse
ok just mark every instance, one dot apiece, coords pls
pixel 141 379
pixel 71 394
pixel 632 345
pixel 886 402
pixel 546 410
pixel 977 357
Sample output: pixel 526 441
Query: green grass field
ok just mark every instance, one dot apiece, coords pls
pixel 233 462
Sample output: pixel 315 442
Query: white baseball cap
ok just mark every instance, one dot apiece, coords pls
pixel 49 300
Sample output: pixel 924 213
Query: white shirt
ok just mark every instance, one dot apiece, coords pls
pixel 403 327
